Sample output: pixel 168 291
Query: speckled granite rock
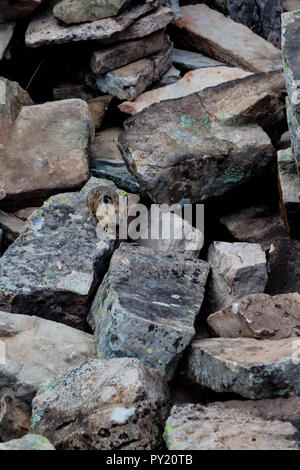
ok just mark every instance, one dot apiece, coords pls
pixel 29 442
pixel 82 11
pixel 6 32
pixel 235 425
pixel 104 405
pixel 146 312
pixel 289 190
pixel 54 268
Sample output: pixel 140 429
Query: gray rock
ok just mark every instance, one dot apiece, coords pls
pixel 235 425
pixel 289 190
pixel 38 350
pixel 237 270
pixel 251 368
pixel 12 11
pixel 6 32
pixel 171 76
pixel 104 405
pixel 81 11
pixel 54 268
pixel 29 442
pixel 284 267
pixel 147 305
pixel 188 60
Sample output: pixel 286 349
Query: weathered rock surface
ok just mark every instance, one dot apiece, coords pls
pixel 11 11
pixel 223 39
pixel 289 190
pixel 14 416
pixel 270 425
pixel 54 268
pixel 45 29
pixel 130 81
pixel 98 107
pixel 284 267
pixel 6 32
pixel 285 141
pixel 47 152
pixel 192 82
pixel 201 146
pixel 259 316
pixel 255 224
pixel 29 442
pixel 251 368
pixel 82 11
pixel 171 76
pixel 37 350
pixel 237 270
pixel 117 55
pixel 12 226
pixel 189 60
pixel 104 405
pixel 148 313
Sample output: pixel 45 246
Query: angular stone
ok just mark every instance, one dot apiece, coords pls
pixel 14 416
pixel 54 268
pixel 29 442
pixel 232 43
pixel 289 190
pixel 270 425
pixel 106 161
pixel 104 405
pixel 237 270
pixel 37 350
pixel 45 29
pixel 117 55
pixel 12 11
pixel 98 107
pixel 259 316
pixel 171 76
pixel 130 81
pixel 149 316
pixel 284 267
pixel 192 82
pixel 188 60
pixel 251 368
pixel 82 11
pixel 6 32
pixel 201 146
pixel 12 226
pixel 47 152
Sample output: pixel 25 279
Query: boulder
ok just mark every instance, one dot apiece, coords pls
pixel 14 416
pixel 189 60
pixel 148 313
pixel 192 82
pixel 104 405
pixel 259 316
pixel 17 9
pixel 38 350
pixel 237 270
pixel 232 43
pixel 82 11
pixel 235 425
pixel 46 152
pixel 55 267
pixel 6 32
pixel 289 190
pixel 245 366
pixel 28 442
pixel 284 267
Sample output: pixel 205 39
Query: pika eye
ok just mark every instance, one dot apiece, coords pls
pixel 106 199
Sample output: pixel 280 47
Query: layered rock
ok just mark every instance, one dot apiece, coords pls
pixel 104 405
pixel 271 425
pixel 149 316
pixel 82 11
pixel 28 442
pixel 289 189
pixel 189 60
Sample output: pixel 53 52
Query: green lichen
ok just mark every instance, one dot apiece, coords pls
pixel 234 173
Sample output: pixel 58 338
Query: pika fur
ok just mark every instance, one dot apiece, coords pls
pixel 103 202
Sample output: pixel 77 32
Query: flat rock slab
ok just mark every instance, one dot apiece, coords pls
pixel 270 425
pixel 284 267
pixel 12 11
pixel 232 43
pixel 251 368
pixel 189 60
pixel 6 32
pixel 192 82
pixel 82 11
pixel 36 350
pixel 45 29
pixel 289 190
pixel 28 442
pixel 46 153
pixel 259 316
pixel 104 405
pixel 147 305
pixel 54 268
pixel 130 81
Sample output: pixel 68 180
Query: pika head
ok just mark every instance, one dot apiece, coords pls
pixel 104 203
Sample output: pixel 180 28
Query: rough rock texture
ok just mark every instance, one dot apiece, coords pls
pixel 188 60
pixel 171 76
pixel 37 350
pixel 16 9
pixel 14 416
pixel 54 268
pixel 130 81
pixel 255 224
pixel 259 316
pixel 47 152
pixel 199 146
pixel 29 442
pixel 46 29
pixel 6 32
pixel 98 107
pixel 12 227
pixel 235 425
pixel 192 82
pixel 104 405
pixel 117 55
pixel 251 368
pixel 81 11
pixel 237 270
pixel 223 39
pixel 284 267
pixel 289 189
pixel 148 313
